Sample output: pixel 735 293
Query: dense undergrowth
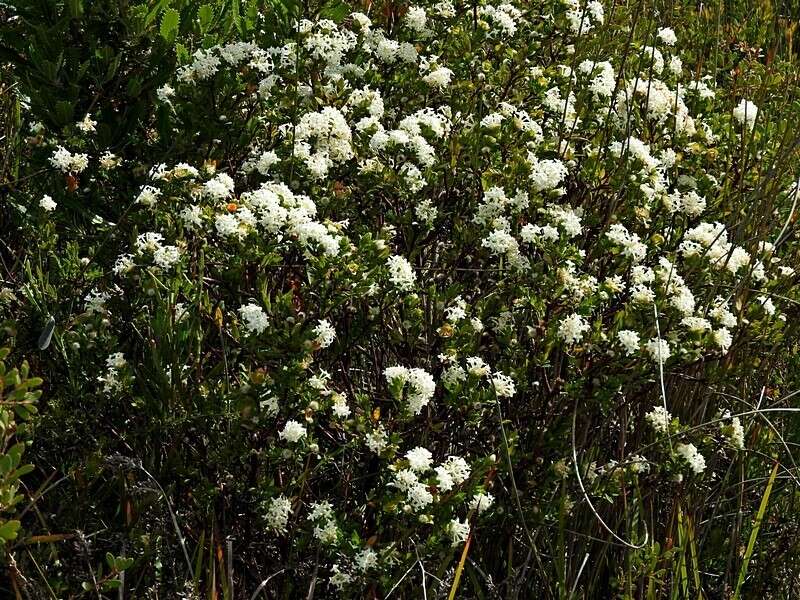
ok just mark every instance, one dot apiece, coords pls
pixel 389 300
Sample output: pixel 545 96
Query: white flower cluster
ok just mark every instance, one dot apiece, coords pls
pixel 115 364
pixel 325 528
pixel 165 256
pixel 278 511
pixel 692 456
pixel 451 473
pixel 418 384
pixel 68 162
pixel 254 318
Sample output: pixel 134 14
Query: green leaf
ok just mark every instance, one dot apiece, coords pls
pixel 237 21
pixel 75 8
pixel 251 14
pixel 134 86
pixel 336 12
pixel 751 543
pixel 205 14
pixel 8 531
pixel 182 53
pixel 169 24
pixel 15 453
pixel 64 112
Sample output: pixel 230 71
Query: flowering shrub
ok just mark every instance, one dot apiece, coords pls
pixel 420 299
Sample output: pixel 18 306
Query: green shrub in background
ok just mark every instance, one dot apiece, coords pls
pixel 18 397
pixel 441 300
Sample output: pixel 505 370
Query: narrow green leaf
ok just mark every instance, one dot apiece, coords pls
pixel 751 544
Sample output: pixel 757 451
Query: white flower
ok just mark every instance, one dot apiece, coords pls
pixel 327 533
pixel 693 204
pixel 722 337
pixel 339 579
pixel 477 367
pixel 630 341
pixel 116 361
pixel 123 264
pixel 219 188
pixel 658 349
pixel 690 454
pixel 419 496
pixel 320 511
pixel 416 19
pixel 400 273
pixel 108 160
pixel 481 502
pixel 95 301
pixel 67 162
pixel 166 256
pixel 416 492
pixel 638 464
pixel 452 472
pixel 746 112
pixel 767 304
pixel 47 203
pixel 340 408
pixel 722 314
pixel 667 35
pixel 438 78
pixel 325 333
pixel 503 385
pixel 266 161
pixel 230 225
pixel 733 431
pixel 292 432
pixel 377 440
pixel 148 195
pixel 572 328
pixel 503 18
pixel 419 459
pixel 149 241
pixel 421 386
pixel 278 513
pixel 445 9
pixel 366 559
pixel 191 217
pixel 501 242
pixel 696 323
pixel 87 125
pixel 269 406
pixel 165 92
pixel 457 311
pixel 254 318
pixel 458 530
pixel 546 174
pixel 659 419
pixel 738 258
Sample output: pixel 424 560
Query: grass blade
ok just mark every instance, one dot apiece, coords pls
pixel 751 544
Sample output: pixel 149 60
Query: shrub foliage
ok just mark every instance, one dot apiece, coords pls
pixel 446 300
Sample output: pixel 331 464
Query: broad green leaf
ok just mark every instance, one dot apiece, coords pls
pixel 8 530
pixel 169 24
pixel 205 14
